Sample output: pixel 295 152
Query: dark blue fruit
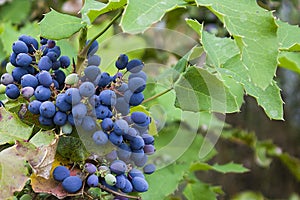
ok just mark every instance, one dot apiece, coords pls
pixel 12 91
pixel 72 184
pixel 60 173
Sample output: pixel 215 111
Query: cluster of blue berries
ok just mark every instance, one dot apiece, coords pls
pixel 94 102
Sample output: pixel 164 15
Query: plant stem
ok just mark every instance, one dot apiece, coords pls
pixel 83 52
pixel 158 95
pixel 118 193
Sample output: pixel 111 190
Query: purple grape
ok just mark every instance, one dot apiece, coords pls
pixel 115 139
pixel 34 107
pixel 7 78
pixel 45 78
pixel 79 110
pixel 139 184
pixel 53 56
pixel 91 72
pixel 55 49
pixel 107 124
pixel 122 61
pixel 42 93
pixel 140 74
pixel 121 181
pixel 47 109
pixel 72 184
pixel 27 92
pixel 94 60
pixel 93 180
pixel 136 84
pixel 61 103
pixel 23 59
pixel 60 118
pixel 45 63
pixel 29 80
pixel 108 98
pixel 100 138
pixel 72 96
pixel 149 169
pixel 88 123
pixel 51 44
pixel 135 66
pixel 19 47
pixel 90 168
pixel 64 61
pixel 45 121
pixel 118 167
pixel 149 149
pixel 128 187
pixel 137 143
pixel 60 173
pixel 12 91
pixel 87 89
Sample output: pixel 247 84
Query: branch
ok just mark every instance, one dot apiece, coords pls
pixel 118 193
pixel 158 95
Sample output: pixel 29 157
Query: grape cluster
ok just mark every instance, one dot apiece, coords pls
pixel 95 102
pixel 37 77
pixel 71 184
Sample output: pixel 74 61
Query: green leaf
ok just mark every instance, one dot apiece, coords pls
pixel 139 15
pixel 42 138
pixel 248 195
pixel 199 90
pixel 92 9
pixel 230 168
pixel 13 172
pixel 218 50
pixel 269 99
pixel 199 190
pixel 286 36
pixel 72 148
pixel 255 32
pixel 12 128
pixel 57 26
pixel 8 36
pixel 226 168
pixel 290 60
pixel 15 11
pixel 172 173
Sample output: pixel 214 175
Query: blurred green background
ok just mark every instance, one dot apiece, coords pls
pixel 274 181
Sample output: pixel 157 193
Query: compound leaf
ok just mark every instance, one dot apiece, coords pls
pixel 92 9
pixel 57 26
pixel 139 15
pixel 12 128
pixel 255 32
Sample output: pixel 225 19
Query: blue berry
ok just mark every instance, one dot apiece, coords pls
pixel 72 96
pixel 64 61
pixel 45 78
pixel 23 59
pixel 139 184
pixel 34 107
pixel 122 61
pixel 104 79
pixel 42 93
pixel 61 103
pixel 128 187
pixel 149 168
pixel 118 167
pixel 19 47
pixel 91 72
pixel 100 138
pixel 115 139
pixel 45 63
pixel 12 91
pixel 29 80
pixel 135 66
pixel 90 168
pixel 45 121
pixel 60 173
pixel 72 184
pixel 47 109
pixel 60 118
pixel 108 98
pixel 107 124
pixel 93 180
pixel 87 89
